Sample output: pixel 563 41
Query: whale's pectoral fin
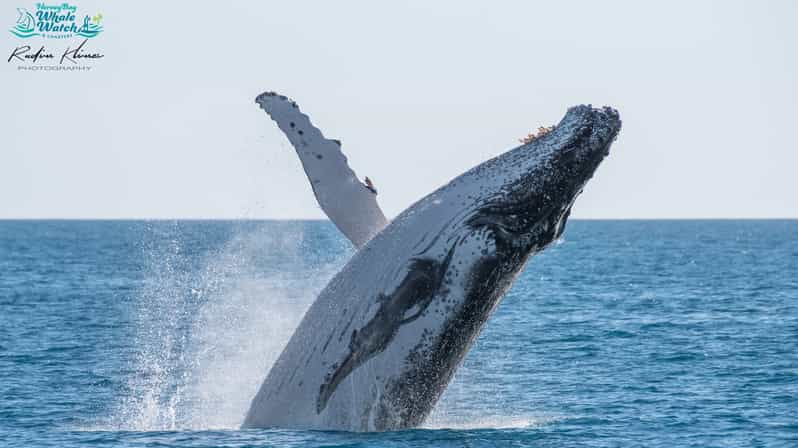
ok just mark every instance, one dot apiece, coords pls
pixel 350 204
pixel 332 381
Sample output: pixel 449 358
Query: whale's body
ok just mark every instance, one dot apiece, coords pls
pixel 377 348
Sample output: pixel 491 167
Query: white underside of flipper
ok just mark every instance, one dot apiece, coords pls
pixel 349 204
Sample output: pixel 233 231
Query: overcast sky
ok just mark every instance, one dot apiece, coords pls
pixel 165 126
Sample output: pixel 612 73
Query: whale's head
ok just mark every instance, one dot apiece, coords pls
pixel 533 186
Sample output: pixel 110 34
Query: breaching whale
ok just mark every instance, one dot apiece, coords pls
pixel 377 348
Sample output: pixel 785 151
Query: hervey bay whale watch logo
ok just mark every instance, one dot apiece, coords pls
pixel 56 22
pixel 37 27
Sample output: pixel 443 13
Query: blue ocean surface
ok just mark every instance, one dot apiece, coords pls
pixel 623 333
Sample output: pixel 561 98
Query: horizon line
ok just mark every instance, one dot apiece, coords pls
pixel 326 219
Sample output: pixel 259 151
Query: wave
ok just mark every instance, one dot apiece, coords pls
pixel 491 422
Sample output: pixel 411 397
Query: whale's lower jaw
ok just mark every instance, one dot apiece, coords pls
pixel 377 348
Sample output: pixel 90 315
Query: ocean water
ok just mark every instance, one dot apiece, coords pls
pixel 624 333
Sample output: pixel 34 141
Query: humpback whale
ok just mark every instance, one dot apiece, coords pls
pixel 379 345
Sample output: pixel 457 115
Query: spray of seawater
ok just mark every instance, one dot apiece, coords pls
pixel 470 404
pixel 208 331
pixel 490 422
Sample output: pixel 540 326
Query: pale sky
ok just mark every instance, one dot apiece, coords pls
pixel 165 126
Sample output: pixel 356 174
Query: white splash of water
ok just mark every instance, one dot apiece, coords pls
pixel 207 339
pixel 490 422
pixel 472 403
